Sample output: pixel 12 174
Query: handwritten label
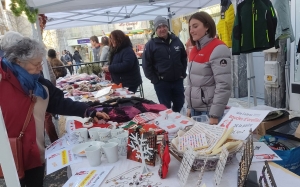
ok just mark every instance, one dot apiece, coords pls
pixel 171 126
pixel 87 178
pixel 242 120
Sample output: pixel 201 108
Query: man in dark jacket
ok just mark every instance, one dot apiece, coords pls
pixel 164 63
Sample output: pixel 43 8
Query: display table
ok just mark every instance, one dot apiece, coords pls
pixel 283 177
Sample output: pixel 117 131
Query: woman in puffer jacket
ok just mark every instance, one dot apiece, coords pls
pixel 209 79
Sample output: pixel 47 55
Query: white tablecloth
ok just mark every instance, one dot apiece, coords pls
pixel 283 177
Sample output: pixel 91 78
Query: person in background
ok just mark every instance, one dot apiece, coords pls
pixel 55 62
pixel 122 62
pixel 209 78
pixel 77 58
pixel 105 49
pixel 21 80
pixel 164 63
pixel 68 61
pixel 104 55
pixel 9 39
pixel 96 48
pixel 62 58
pixel 49 125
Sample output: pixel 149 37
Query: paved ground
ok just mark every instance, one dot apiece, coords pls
pixel 58 178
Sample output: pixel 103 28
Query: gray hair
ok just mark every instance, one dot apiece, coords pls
pixel 9 39
pixel 25 50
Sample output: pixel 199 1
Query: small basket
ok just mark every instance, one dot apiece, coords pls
pixel 212 160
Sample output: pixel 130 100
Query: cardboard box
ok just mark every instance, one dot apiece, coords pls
pixel 265 125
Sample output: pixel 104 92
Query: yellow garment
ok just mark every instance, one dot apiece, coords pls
pixel 225 26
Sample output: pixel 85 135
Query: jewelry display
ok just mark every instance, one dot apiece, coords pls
pixel 142 148
pixel 186 165
pixel 246 160
pixel 263 182
pixel 220 167
pixel 122 175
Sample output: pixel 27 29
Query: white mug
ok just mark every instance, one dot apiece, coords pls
pixel 81 134
pixel 93 132
pixel 111 151
pixel 93 154
pixel 123 138
pixel 115 132
pixel 104 134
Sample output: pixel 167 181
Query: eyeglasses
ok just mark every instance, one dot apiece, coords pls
pixel 37 65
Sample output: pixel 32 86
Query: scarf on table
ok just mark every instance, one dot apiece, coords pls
pixel 27 81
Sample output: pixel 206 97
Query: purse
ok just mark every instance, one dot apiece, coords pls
pixel 16 144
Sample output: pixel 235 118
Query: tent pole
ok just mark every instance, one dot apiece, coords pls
pixel 6 158
pixel 251 79
pixel 170 19
pixel 37 30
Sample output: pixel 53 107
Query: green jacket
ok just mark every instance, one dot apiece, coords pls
pixel 254 27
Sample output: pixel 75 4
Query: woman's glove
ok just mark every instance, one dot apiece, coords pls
pixel 94 114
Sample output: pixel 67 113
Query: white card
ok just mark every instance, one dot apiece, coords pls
pixel 88 177
pixel 60 159
pixel 263 153
pixel 220 167
pixel 59 144
pixel 186 165
pixel 242 120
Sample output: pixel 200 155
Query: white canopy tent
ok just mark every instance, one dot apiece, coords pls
pixel 76 13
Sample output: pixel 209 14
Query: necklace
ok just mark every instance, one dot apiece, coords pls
pixel 122 174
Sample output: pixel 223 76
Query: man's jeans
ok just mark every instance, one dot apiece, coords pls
pixel 170 92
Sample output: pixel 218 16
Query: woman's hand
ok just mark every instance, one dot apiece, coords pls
pixel 213 121
pixel 105 69
pixel 95 115
pixel 102 115
pixel 188 112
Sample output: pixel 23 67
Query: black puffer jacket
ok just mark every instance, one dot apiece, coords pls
pixel 124 66
pixel 164 60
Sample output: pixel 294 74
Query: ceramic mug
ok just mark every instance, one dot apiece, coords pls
pixel 111 151
pixel 93 132
pixel 123 138
pixel 115 132
pixel 104 134
pixel 116 140
pixel 93 154
pixel 81 134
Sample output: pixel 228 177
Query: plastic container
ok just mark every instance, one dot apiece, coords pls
pixel 201 118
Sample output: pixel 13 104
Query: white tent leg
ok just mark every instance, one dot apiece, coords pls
pixel 251 79
pixel 6 158
pixel 37 34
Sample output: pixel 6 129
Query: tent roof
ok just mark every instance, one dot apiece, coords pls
pixel 76 13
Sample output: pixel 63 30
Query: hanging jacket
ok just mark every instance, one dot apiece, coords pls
pixel 209 78
pixel 225 24
pixel 284 27
pixel 254 27
pixel 164 60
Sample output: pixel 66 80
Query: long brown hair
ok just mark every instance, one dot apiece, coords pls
pixel 207 21
pixel 119 37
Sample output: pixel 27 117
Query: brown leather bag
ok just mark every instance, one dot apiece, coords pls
pixel 16 144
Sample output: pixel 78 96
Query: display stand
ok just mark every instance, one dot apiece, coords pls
pixel 251 79
pixel 6 157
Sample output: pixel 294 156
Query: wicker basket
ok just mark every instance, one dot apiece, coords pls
pixel 212 160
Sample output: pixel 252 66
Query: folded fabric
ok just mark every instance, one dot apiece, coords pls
pixel 156 108
pixel 130 111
